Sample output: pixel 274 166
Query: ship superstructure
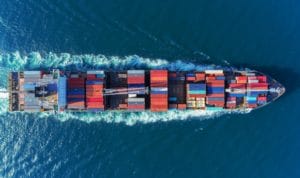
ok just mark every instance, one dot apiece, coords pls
pixel 138 90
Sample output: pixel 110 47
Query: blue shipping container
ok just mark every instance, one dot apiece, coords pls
pixel 236 94
pixel 52 87
pixel 215 99
pixel 255 93
pixel 190 75
pixel 75 100
pixel 135 85
pixel 173 98
pixel 197 86
pixel 220 77
pixel 251 101
pixel 75 92
pixel 100 75
pixel 159 92
pixel 215 89
pixel 94 82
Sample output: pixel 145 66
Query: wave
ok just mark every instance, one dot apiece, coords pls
pixel 35 60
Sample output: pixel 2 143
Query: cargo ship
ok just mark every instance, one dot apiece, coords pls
pixel 139 90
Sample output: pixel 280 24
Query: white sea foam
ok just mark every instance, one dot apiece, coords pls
pixel 35 60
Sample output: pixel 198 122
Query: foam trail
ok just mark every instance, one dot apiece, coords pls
pixel 35 61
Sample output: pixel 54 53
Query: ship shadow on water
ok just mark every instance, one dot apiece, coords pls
pixel 288 77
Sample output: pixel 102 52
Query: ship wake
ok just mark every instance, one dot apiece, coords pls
pixel 36 61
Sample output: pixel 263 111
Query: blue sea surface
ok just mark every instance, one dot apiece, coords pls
pixel 77 34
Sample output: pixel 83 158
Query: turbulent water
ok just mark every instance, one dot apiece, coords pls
pixel 177 35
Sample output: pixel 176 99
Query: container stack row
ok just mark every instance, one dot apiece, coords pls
pixel 94 90
pixel 159 90
pixel 75 92
pixel 31 102
pixel 257 89
pixel 176 90
pixel 196 93
pixel 195 77
pixel 231 102
pixel 62 93
pixel 215 89
pixel 136 90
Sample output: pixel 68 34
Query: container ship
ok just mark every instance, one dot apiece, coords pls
pixel 139 90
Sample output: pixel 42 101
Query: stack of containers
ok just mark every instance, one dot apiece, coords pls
pixel 75 92
pixel 215 89
pixel 159 90
pixel 190 77
pixel 241 79
pixel 136 85
pixel 262 99
pixel 231 102
pixel 31 79
pixel 175 80
pixel 136 104
pixel 238 90
pixel 94 90
pixel 136 81
pixel 62 93
pixel 200 76
pixel 257 89
pixel 196 93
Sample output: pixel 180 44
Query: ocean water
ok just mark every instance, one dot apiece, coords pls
pixel 263 35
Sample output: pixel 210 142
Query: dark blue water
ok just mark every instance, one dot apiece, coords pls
pixel 263 35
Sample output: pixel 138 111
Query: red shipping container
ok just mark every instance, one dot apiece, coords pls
pixel 196 95
pixel 251 105
pixel 158 78
pixel 158 96
pixel 257 84
pixel 190 78
pixel 136 106
pixel 91 76
pixel 216 95
pixel 135 80
pixel 94 87
pixel 262 78
pixel 181 106
pixel 159 72
pixel 262 98
pixel 216 81
pixel 241 77
pixel 79 103
pixel 215 84
pixel 237 85
pixel 158 84
pixel 94 100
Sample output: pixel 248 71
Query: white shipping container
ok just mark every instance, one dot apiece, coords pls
pixel 95 72
pixel 159 89
pixel 135 71
pixel 214 71
pixel 131 95
pixel 253 81
pixel 74 75
pixel 136 99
